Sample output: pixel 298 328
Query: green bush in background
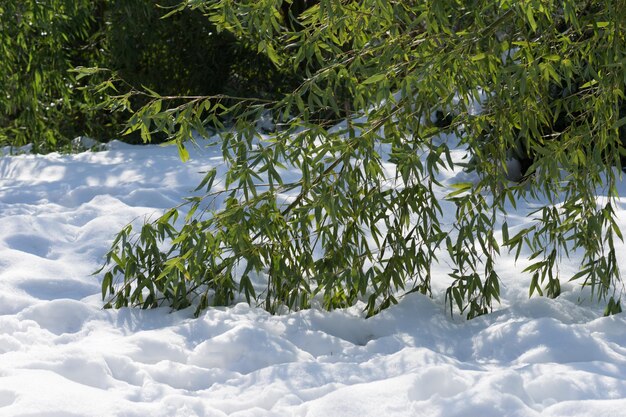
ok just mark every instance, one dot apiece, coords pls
pixel 47 104
pixel 40 101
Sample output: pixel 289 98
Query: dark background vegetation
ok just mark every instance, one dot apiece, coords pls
pixel 45 104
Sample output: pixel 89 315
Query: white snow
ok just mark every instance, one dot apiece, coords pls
pixel 62 355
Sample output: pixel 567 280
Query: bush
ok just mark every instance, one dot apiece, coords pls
pixel 47 103
pixel 42 102
pixel 389 66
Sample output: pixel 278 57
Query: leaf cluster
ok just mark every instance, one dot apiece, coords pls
pixel 47 49
pixel 364 221
pixel 41 102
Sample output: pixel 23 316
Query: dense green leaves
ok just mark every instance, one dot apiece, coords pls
pixel 364 222
pixel 41 102
pixel 48 47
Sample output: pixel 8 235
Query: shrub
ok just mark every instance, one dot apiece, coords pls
pixel 47 103
pixel 41 102
pixel 351 232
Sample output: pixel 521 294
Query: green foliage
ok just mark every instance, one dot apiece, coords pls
pixel 174 56
pixel 613 307
pixel 41 102
pixel 171 62
pixel 181 53
pixel 348 230
pixel 47 103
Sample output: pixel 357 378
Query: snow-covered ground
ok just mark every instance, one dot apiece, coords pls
pixel 62 355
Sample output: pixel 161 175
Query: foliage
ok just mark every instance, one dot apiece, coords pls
pixel 46 103
pixel 346 230
pixel 180 55
pixel 41 102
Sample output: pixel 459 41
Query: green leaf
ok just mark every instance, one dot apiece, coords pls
pixel 505 232
pixel 531 18
pixel 376 78
pixel 459 189
pixel 183 153
pixel 478 57
pixel 589 84
pixel 207 181
pixel 107 284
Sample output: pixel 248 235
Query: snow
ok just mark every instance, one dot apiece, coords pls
pixel 61 354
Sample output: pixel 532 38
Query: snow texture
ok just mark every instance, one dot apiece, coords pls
pixel 61 354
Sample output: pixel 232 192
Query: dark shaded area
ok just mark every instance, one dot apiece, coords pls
pixel 292 9
pixel 182 54
pixel 443 120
